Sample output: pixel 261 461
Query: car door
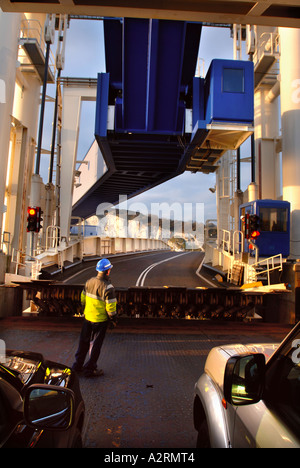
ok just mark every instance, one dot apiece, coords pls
pixel 10 403
pixel 274 421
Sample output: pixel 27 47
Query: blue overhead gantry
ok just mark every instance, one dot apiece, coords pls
pixel 165 121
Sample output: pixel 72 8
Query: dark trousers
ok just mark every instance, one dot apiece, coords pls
pixel 90 341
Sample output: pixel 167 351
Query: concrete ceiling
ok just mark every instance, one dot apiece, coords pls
pixel 261 12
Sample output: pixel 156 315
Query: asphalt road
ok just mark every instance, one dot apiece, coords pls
pixel 151 269
pixel 145 398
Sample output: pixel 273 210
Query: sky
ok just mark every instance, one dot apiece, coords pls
pixel 85 59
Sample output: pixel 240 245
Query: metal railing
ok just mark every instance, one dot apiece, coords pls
pixel 52 237
pixel 225 241
pixel 30 265
pixel 232 242
pixel 232 246
pixel 18 257
pixel 268 43
pixel 270 264
pixel 5 244
pixel 32 31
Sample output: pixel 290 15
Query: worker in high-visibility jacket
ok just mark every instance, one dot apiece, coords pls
pixel 100 309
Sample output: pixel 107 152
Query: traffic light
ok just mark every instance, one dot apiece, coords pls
pixel 39 219
pixel 31 219
pixel 254 226
pixel 245 226
pixel 34 219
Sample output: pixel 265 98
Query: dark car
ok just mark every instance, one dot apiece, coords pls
pixel 40 403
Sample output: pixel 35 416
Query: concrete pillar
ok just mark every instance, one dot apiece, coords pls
pixel 266 133
pixel 72 99
pixel 262 45
pixel 16 189
pixel 9 35
pixel 23 136
pixel 37 198
pixel 290 118
pixel 70 131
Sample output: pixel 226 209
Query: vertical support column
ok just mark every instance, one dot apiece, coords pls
pixel 266 131
pixel 73 96
pixel 290 117
pixel 70 131
pixel 9 32
pixel 16 187
pixel 37 198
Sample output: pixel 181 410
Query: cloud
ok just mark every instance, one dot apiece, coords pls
pixel 85 56
pixel 187 188
pixel 215 43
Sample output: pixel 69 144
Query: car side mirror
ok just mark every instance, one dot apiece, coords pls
pixel 49 407
pixel 244 379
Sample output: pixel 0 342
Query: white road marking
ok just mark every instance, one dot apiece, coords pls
pixel 142 277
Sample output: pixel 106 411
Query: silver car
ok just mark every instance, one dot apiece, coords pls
pixel 249 396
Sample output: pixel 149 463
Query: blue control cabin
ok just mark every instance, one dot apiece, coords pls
pixel 222 114
pixel 267 224
pixel 225 95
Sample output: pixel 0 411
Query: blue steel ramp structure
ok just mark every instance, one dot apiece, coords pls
pixel 163 117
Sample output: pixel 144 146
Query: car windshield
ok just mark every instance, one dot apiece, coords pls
pixel 23 368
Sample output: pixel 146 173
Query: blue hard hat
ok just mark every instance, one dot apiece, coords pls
pixel 103 265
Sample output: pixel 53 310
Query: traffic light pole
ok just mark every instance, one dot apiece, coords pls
pixel 253 246
pixel 31 247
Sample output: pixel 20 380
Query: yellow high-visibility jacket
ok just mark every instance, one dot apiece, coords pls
pixel 99 299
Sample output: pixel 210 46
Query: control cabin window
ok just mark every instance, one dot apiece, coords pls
pixel 233 80
pixel 273 219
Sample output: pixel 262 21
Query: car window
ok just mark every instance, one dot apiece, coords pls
pixel 283 384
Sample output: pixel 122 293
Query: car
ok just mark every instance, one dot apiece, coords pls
pixel 249 396
pixel 41 405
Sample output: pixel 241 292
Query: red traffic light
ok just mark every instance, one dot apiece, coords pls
pixel 34 218
pixel 31 211
pixel 254 226
pixel 255 234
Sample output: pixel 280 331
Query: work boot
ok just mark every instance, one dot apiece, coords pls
pixel 93 373
pixel 77 369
